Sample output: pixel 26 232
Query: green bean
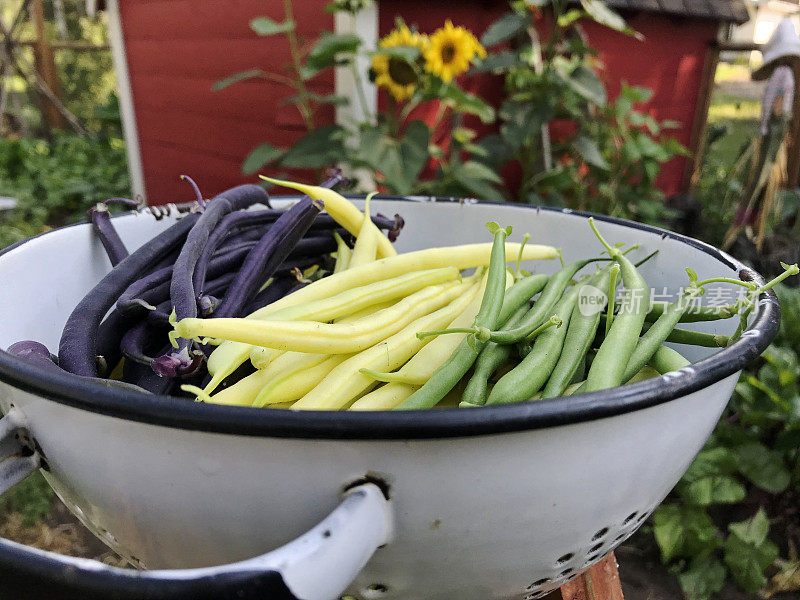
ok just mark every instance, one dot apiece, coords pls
pixel 697 338
pixel 448 375
pixel 608 366
pixel 666 359
pixel 612 295
pixel 541 310
pixel 524 380
pixel 491 358
pixel 659 331
pixel 518 294
pixel 582 329
pixel 695 313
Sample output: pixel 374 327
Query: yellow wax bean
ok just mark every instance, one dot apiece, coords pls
pixel 343 254
pixel 346 381
pixel 459 257
pixel 385 397
pixel 422 365
pixel 365 312
pixel 298 383
pixel 246 390
pixel 281 405
pixel 340 208
pixel 335 338
pixel 260 356
pixel 229 355
pixel 366 246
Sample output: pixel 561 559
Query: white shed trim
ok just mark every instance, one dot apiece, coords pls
pixel 126 107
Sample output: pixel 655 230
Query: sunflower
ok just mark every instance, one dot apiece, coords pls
pixel 393 73
pixel 450 51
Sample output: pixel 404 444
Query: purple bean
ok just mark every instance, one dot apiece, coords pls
pixel 154 288
pixel 78 347
pixel 38 354
pixel 276 290
pixel 35 352
pixel 236 219
pixel 135 341
pixel 216 287
pixel 181 289
pixel 105 230
pixel 109 336
pixel 198 196
pixel 267 255
pixel 143 377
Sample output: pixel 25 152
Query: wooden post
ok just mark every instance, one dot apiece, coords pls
pixel 600 582
pixel 46 67
pixel 697 143
pixel 793 166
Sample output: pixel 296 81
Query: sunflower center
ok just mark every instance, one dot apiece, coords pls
pixel 448 52
pixel 401 72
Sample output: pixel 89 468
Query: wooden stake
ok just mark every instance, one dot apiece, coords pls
pixel 600 582
pixel 46 68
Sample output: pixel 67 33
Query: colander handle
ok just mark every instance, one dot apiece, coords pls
pixel 319 565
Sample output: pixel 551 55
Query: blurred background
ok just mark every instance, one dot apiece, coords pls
pixel 679 113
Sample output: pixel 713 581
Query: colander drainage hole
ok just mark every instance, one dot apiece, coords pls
pixel 566 572
pixel 538 582
pixel 374 591
pixel 568 556
pixel 536 595
pixel 596 547
pixel 600 534
pixel 630 517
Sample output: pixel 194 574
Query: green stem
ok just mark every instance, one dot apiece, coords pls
pixel 362 96
pixel 551 322
pixel 423 334
pixel 748 284
pixel 790 270
pixel 525 239
pixel 297 63
pixel 612 296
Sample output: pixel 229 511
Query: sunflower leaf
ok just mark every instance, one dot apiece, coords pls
pixel 496 62
pixel 590 151
pixel 600 13
pixel 464 102
pixel 325 51
pixel 265 26
pixel 582 80
pixel 504 28
pixel 236 78
pixel 320 148
pixel 260 156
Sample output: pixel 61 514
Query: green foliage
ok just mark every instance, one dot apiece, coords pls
pixel 609 163
pixel 607 154
pixel 752 460
pixel 55 183
pixel 87 77
pixel 31 498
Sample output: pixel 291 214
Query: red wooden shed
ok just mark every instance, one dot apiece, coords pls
pixel 168 53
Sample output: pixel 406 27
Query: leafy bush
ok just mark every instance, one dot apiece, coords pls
pixel 56 182
pixel 736 509
pixel 607 154
pixel 607 161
